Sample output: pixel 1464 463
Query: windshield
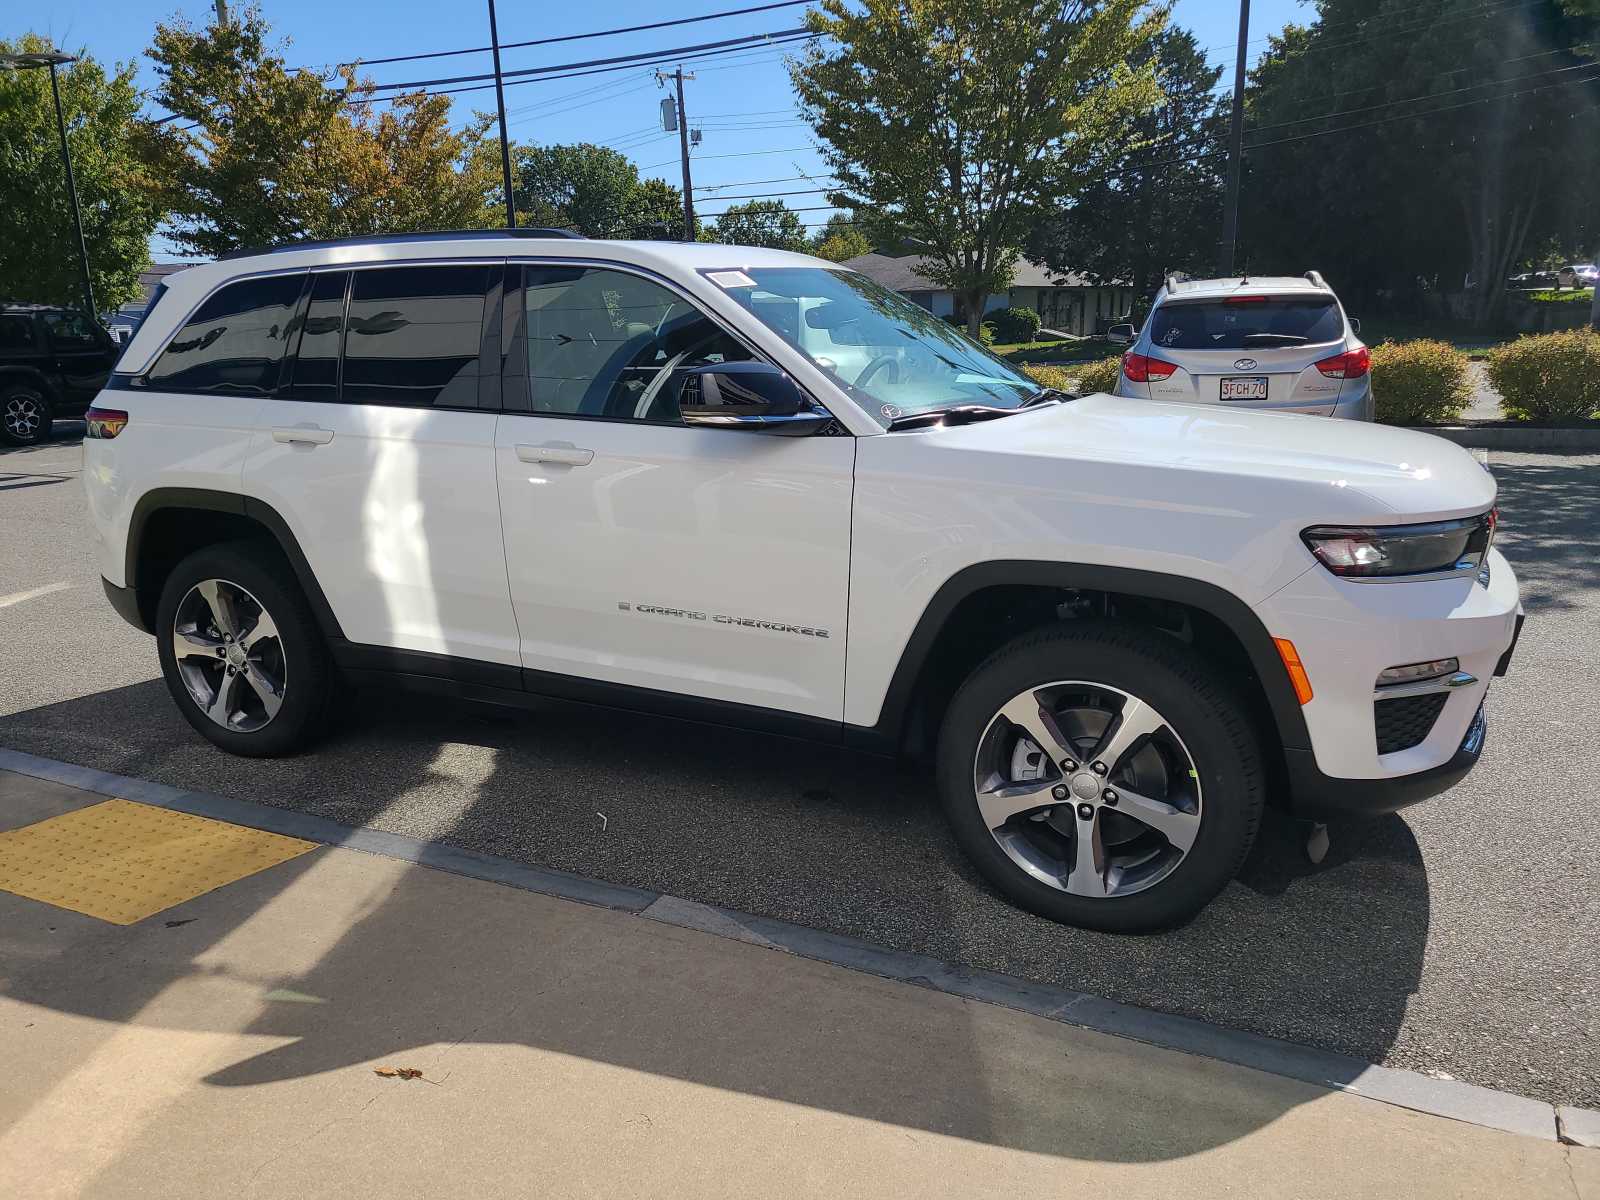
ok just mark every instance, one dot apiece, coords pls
pixel 1240 322
pixel 892 357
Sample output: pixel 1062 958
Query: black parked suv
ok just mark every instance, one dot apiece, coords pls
pixel 52 363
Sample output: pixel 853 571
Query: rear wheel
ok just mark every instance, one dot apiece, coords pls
pixel 25 415
pixel 241 652
pixel 1101 775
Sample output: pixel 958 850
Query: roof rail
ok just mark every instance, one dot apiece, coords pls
pixel 1173 279
pixel 1316 280
pixel 389 239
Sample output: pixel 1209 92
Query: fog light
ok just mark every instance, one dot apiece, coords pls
pixel 1416 672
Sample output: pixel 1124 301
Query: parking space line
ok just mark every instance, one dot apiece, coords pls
pixel 33 593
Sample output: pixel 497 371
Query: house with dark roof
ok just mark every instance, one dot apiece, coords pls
pixel 1068 303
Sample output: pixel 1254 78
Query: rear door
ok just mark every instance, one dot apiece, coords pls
pixel 83 354
pixel 379 455
pixel 1251 351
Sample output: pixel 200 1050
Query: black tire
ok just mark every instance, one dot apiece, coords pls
pixel 309 677
pixel 25 415
pixel 1204 711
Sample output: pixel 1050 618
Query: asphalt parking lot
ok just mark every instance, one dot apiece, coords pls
pixel 1457 938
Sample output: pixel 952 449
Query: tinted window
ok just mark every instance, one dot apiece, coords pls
pixel 16 333
pixel 72 331
pixel 234 344
pixel 609 344
pixel 316 368
pixel 412 335
pixel 1246 322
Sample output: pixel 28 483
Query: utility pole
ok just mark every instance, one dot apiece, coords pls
pixel 1230 203
pixel 683 148
pixel 500 100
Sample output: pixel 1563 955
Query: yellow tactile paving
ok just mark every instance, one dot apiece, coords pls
pixel 122 862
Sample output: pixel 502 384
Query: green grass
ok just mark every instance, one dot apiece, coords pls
pixel 1570 296
pixel 1067 350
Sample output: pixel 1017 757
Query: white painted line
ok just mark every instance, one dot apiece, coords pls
pixel 33 593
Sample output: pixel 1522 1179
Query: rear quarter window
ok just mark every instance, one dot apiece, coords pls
pixel 234 343
pixel 1242 323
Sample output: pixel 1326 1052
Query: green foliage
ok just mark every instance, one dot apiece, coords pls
pixel 38 245
pixel 261 154
pixel 1548 377
pixel 1016 324
pixel 1051 377
pixel 1085 378
pixel 594 190
pixel 1469 186
pixel 986 333
pixel 955 120
pixel 1573 296
pixel 1133 222
pixel 840 239
pixel 1420 383
pixel 767 223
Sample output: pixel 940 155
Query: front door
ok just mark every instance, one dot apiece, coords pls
pixel 83 357
pixel 705 562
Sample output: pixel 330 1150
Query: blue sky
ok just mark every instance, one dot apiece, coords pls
pixel 753 141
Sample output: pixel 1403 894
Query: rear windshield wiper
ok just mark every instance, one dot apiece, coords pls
pixel 956 414
pixel 1273 339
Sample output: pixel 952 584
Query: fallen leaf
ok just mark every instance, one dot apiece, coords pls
pixel 397 1072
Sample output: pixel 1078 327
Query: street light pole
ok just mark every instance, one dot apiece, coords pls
pixel 72 192
pixel 500 101
pixel 1230 203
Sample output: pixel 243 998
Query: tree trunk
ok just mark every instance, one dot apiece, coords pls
pixel 974 300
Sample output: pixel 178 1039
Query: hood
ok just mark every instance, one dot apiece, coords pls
pixel 1360 471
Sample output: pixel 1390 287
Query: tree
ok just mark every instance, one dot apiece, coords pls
pixel 1144 214
pixel 260 154
pixel 759 223
pixel 583 187
pixel 1467 147
pixel 960 119
pixel 38 245
pixel 657 211
pixel 840 239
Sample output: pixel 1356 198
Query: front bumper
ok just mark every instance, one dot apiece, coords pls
pixel 1315 795
pixel 1346 632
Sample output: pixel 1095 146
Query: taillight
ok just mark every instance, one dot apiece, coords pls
pixel 105 423
pixel 1141 368
pixel 1352 364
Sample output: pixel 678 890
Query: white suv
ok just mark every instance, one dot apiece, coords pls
pixel 747 487
pixel 1277 343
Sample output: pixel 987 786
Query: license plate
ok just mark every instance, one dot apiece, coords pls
pixel 1244 388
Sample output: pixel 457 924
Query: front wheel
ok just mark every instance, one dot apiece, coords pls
pixel 1101 775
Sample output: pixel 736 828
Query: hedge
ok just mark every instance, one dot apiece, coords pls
pixel 1423 382
pixel 1086 378
pixel 1548 376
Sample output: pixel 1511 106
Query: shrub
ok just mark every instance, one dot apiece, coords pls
pixel 1575 296
pixel 1420 383
pixel 1082 378
pixel 986 333
pixel 1548 377
pixel 1015 324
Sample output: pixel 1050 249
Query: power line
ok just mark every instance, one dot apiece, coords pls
pixel 739 154
pixel 755 182
pixel 578 37
pixel 767 195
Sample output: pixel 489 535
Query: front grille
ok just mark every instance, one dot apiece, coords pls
pixel 1406 721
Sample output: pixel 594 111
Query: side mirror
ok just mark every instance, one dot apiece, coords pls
pixel 1120 335
pixel 1355 324
pixel 752 396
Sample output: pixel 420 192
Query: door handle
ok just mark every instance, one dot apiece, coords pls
pixel 570 456
pixel 312 435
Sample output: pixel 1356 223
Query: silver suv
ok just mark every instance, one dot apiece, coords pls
pixel 1278 343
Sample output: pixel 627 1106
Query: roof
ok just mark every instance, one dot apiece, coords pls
pixel 1255 284
pixel 906 274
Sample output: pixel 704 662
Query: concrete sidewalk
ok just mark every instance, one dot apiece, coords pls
pixel 228 1046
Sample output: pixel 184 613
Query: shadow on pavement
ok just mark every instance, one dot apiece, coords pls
pixel 1549 529
pixel 1327 957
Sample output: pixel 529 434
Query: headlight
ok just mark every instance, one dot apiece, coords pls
pixel 1387 551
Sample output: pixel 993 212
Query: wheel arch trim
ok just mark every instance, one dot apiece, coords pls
pixel 166 499
pixel 1237 616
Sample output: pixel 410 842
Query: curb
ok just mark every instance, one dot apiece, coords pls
pixel 1502 437
pixel 1405 1089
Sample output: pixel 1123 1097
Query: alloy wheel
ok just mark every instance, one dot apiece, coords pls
pixel 229 655
pixel 23 417
pixel 1087 788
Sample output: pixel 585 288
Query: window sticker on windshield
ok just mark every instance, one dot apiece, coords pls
pixel 730 279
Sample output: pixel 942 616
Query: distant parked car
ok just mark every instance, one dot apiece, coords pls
pixel 1278 343
pixel 1577 275
pixel 53 361
pixel 1532 280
